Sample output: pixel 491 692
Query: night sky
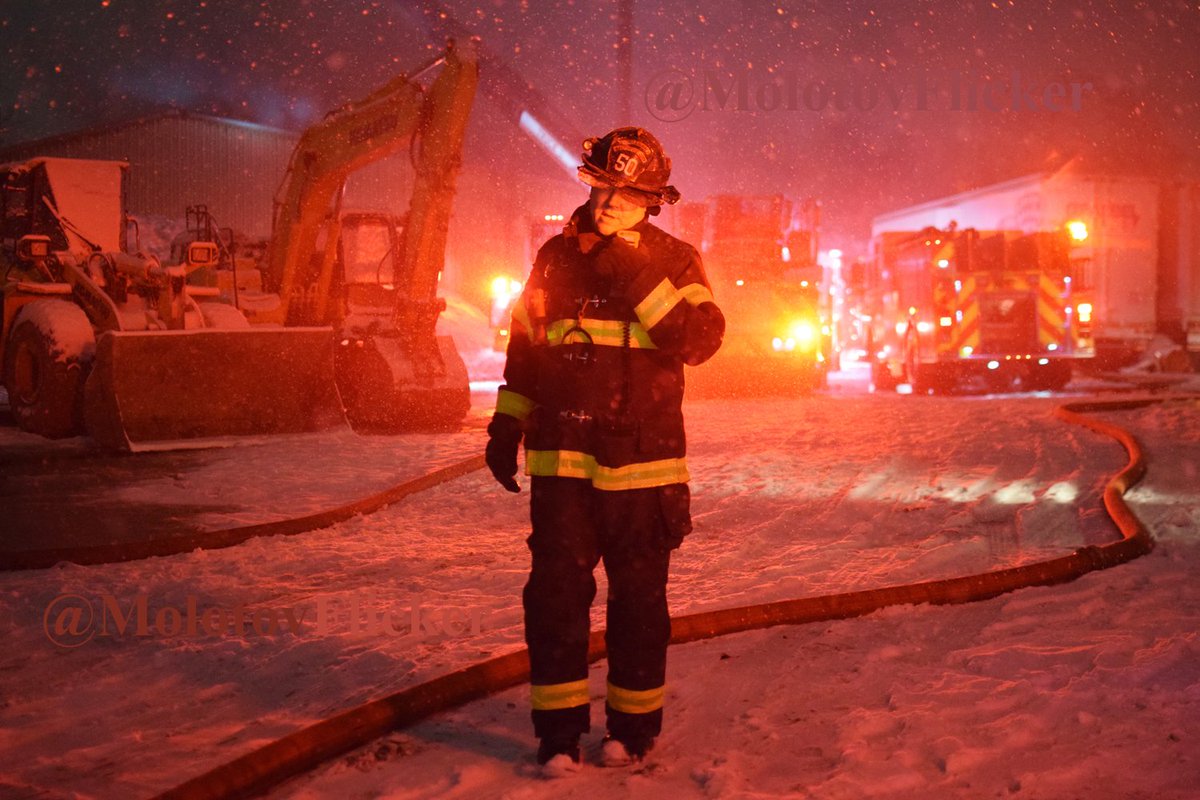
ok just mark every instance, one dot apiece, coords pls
pixel 900 137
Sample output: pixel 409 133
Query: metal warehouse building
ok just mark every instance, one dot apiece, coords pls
pixel 179 159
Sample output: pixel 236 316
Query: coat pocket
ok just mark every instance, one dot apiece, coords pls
pixel 675 502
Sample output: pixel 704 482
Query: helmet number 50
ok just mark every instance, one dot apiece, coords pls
pixel 626 164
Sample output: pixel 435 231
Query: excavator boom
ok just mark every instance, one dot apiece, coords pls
pixel 396 373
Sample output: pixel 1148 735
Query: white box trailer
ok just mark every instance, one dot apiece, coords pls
pixel 1139 263
pixel 1179 243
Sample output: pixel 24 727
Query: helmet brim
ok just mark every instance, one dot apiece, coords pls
pixel 647 198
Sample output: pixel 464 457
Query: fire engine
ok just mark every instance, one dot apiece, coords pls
pixel 1135 252
pixel 949 307
pixel 760 254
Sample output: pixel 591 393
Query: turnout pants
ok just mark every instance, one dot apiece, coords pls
pixel 633 531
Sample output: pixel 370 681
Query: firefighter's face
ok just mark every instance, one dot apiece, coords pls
pixel 614 210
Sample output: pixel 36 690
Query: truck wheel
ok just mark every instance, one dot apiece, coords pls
pixel 46 361
pixel 882 378
pixel 928 379
pixel 998 381
pixel 1050 377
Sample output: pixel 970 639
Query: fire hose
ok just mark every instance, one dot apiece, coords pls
pixel 261 769
pixel 228 537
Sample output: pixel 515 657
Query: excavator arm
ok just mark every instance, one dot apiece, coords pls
pixel 351 137
pixel 397 372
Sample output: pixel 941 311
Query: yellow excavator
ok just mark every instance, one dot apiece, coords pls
pixel 373 276
pixel 98 338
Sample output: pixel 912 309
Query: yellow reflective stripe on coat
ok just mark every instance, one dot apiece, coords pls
pixel 633 702
pixel 658 303
pixel 553 696
pixel 513 404
pixel 573 464
pixel 608 332
pixel 697 293
pixel 665 296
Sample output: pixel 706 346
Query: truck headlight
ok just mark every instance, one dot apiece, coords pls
pixel 802 332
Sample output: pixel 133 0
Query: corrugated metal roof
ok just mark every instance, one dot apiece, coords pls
pixel 132 121
pixel 942 202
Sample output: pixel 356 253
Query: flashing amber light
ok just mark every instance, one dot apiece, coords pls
pixel 943 263
pixel 802 331
pixel 504 289
pixel 1084 312
pixel 946 322
pixel 739 282
pixel 1078 230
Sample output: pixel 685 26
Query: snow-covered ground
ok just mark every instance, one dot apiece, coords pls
pixel 1086 690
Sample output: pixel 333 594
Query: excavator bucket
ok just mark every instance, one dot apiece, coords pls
pixel 158 390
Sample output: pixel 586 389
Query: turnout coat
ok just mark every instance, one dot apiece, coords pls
pixel 595 358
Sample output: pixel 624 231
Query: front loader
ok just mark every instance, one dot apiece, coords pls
pixel 97 338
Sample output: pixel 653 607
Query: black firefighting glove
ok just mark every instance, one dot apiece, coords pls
pixel 621 262
pixel 504 436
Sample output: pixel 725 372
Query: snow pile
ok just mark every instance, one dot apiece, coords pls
pixel 1161 355
pixel 155 234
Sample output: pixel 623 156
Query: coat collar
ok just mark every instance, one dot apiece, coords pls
pixel 580 231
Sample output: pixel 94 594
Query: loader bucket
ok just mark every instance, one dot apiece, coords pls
pixel 155 390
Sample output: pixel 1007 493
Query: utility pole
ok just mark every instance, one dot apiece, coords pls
pixel 624 61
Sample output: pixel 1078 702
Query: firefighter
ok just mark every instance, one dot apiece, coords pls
pixel 593 382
